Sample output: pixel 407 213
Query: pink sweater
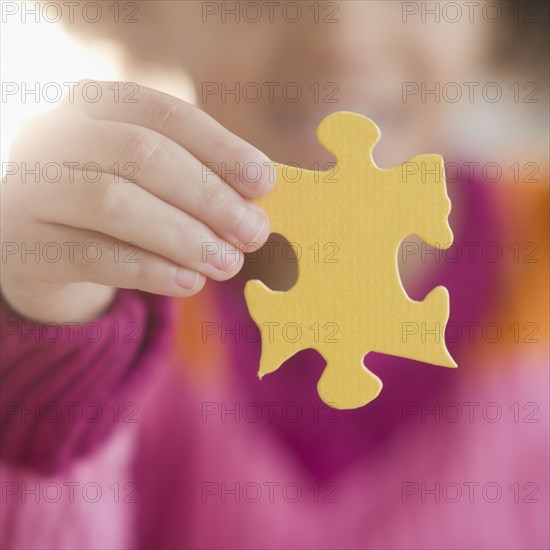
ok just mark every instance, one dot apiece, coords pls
pixel 105 445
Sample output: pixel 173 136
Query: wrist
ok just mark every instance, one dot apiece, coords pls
pixel 77 302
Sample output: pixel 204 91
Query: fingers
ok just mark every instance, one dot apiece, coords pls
pixel 168 171
pixel 188 221
pixel 241 165
pixel 74 255
pixel 129 213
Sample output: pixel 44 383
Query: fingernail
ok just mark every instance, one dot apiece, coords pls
pixel 187 279
pixel 224 257
pixel 260 175
pixel 251 226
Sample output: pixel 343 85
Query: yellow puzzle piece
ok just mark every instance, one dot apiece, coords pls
pixel 347 224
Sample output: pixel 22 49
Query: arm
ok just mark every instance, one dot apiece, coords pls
pixel 63 386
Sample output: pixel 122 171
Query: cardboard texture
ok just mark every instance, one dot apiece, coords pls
pixel 346 225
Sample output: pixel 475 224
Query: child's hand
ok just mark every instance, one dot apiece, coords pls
pixel 66 227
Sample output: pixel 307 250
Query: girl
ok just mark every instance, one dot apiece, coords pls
pixel 114 437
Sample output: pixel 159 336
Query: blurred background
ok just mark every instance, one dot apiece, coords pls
pixel 467 80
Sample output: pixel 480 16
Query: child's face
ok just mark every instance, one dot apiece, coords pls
pixel 360 62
